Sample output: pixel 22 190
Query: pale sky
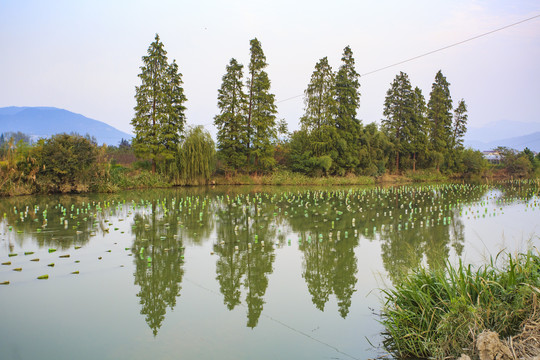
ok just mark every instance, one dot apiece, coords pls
pixel 84 56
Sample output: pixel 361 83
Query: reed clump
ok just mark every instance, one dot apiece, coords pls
pixel 439 313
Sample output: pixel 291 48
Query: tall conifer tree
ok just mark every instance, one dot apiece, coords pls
pixel 398 110
pixel 232 121
pixel 319 98
pixel 261 123
pixel 417 127
pixel 347 103
pixel 159 114
pixel 440 116
pixel 459 127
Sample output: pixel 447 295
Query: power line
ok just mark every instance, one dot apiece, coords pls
pixel 433 51
pixel 452 45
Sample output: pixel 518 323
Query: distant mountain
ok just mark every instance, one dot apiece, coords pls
pixel 503 129
pixel 46 121
pixel 531 141
pixel 513 134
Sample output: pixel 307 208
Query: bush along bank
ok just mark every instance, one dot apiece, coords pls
pixel 461 311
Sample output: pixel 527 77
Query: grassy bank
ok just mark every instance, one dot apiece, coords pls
pixel 438 314
pixel 284 177
pixel 291 178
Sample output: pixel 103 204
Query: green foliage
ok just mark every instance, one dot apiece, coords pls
pixel 198 153
pixel 516 164
pixel 474 162
pixel 418 126
pixel 347 103
pixel 261 124
pixel 375 152
pixel 440 115
pixel 231 121
pixel 437 313
pixel 319 98
pixel 159 114
pixel 65 163
pixel 398 112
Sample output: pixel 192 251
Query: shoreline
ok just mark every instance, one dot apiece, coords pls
pixel 136 180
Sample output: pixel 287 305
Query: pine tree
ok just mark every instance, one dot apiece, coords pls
pixel 440 116
pixel 347 102
pixel 261 123
pixel 159 114
pixel 398 110
pixel 231 122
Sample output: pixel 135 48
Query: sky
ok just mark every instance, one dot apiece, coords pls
pixel 84 56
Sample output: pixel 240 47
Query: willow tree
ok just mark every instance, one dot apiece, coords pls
pixel 231 121
pixel 198 152
pixel 159 114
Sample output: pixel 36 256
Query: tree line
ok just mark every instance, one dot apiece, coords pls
pixel 332 139
pixel 414 134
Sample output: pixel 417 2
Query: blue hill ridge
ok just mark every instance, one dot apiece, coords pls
pixel 41 122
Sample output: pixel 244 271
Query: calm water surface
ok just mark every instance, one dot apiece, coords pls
pixel 234 273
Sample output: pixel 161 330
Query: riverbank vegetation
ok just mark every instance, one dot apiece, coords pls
pixel 417 140
pixel 440 313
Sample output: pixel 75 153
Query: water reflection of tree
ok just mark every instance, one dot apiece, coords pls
pixel 158 253
pixel 324 223
pixel 58 221
pixel 428 226
pixel 243 227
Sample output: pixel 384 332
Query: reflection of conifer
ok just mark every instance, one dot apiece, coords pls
pixel 345 271
pixel 160 277
pixel 252 265
pixel 229 266
pixel 318 271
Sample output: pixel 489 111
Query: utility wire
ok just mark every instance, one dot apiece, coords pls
pixel 433 51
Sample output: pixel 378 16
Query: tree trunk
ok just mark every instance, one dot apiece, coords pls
pixel 397 162
pixel 414 162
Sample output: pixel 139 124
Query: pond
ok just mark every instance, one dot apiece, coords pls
pixel 235 272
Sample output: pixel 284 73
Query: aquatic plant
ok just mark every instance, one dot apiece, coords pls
pixel 437 313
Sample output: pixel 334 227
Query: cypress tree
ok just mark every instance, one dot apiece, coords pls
pixel 459 127
pixel 347 102
pixel 319 119
pixel 232 121
pixel 417 128
pixel 159 114
pixel 261 122
pixel 398 111
pixel 319 98
pixel 440 117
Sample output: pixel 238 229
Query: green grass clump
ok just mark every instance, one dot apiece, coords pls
pixel 437 313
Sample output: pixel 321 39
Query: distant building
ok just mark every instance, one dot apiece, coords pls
pixel 494 157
